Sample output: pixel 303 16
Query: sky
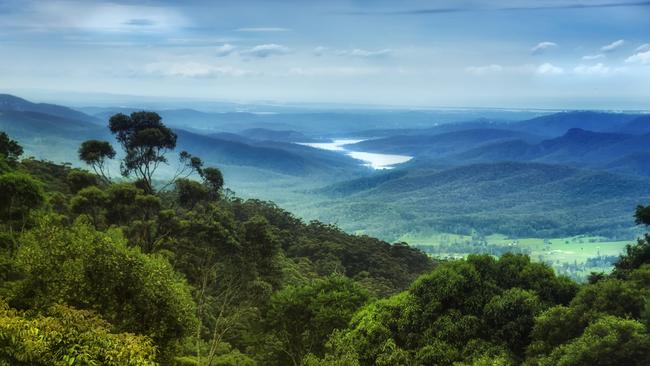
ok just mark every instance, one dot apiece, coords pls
pixel 463 53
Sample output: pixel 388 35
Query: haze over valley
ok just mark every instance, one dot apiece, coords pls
pixel 519 173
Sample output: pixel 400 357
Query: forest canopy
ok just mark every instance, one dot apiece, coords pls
pixel 100 270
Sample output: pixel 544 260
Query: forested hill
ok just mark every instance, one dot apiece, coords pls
pixel 182 268
pixel 96 270
pixel 530 198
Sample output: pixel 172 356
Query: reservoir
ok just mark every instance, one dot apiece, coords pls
pixel 371 160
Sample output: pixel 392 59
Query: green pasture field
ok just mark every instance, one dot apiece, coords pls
pixel 555 251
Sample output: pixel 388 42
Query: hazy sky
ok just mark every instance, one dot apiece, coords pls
pixel 508 53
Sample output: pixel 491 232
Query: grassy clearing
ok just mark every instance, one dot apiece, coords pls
pixel 575 256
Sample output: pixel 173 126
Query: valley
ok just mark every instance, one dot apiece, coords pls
pixel 498 175
pixel 324 183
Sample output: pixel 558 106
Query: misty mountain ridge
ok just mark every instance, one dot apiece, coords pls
pixel 16 104
pixel 559 163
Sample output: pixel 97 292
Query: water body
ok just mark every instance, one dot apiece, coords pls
pixel 371 160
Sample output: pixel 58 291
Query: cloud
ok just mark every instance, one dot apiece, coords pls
pixel 358 52
pixel 572 5
pixel 140 22
pixel 334 71
pixel 193 70
pixel 319 51
pixel 644 47
pixel 549 69
pixel 593 57
pixel 597 69
pixel 642 58
pixel 409 12
pixel 533 6
pixel 224 50
pixel 266 50
pixel 542 46
pixel 612 46
pixel 482 70
pixel 109 17
pixel 263 29
pixel 261 51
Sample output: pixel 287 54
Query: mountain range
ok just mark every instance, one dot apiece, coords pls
pixel 514 198
pixel 55 132
pixel 552 174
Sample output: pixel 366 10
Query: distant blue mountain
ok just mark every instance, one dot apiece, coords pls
pixel 559 123
pixel 633 164
pixel 58 133
pixel 284 158
pixel 639 125
pixel 559 174
pixel 11 103
pixel 265 134
pixel 576 146
pixel 438 145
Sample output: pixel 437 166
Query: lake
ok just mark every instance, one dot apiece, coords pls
pixel 371 160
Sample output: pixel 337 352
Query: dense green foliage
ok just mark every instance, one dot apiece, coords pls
pixel 61 335
pixel 145 140
pixel 460 312
pixel 9 149
pixel 94 272
pixel 302 316
pixel 19 194
pixel 186 276
pixel 482 311
pixel 96 153
pixel 500 312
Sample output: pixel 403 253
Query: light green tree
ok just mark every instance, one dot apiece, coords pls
pixel 94 270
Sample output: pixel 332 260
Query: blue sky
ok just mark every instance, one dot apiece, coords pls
pixel 509 53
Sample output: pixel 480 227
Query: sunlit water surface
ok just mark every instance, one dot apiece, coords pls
pixel 372 160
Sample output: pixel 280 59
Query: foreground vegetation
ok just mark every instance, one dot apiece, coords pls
pixel 96 270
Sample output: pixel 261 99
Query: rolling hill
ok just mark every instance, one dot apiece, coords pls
pixel 518 199
pixel 57 136
pixel 439 145
pixel 265 134
pixel 639 125
pixel 45 130
pixel 576 147
pixel 559 123
pixel 11 103
pixel 284 158
pixel 436 129
pixel 633 164
pixel 320 123
pixel 28 124
pixel 559 174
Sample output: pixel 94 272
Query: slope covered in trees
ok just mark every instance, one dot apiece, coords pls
pixel 180 276
pixel 506 311
pixel 440 144
pixel 100 270
pixel 517 199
